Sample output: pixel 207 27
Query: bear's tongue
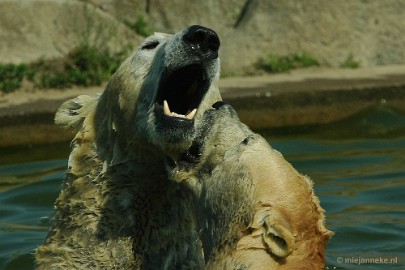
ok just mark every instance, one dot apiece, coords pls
pixel 166 111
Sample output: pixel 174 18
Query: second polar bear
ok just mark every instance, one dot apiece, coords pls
pixel 255 210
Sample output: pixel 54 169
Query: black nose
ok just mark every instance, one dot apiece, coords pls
pixel 203 41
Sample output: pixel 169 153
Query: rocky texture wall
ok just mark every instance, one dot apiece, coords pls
pixel 32 29
pixel 369 30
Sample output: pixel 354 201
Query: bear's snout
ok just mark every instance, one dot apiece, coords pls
pixel 204 41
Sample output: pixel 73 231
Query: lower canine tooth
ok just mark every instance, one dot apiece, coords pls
pixel 191 114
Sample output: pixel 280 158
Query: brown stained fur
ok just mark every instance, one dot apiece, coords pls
pixel 292 206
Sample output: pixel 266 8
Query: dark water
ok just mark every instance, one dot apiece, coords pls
pixel 358 167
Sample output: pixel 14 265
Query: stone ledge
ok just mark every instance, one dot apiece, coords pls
pixel 301 97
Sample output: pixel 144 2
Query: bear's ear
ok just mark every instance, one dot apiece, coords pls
pixel 270 231
pixel 72 112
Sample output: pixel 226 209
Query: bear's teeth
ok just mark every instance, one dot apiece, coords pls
pixel 166 108
pixel 166 111
pixel 191 114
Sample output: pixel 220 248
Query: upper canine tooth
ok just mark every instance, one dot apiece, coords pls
pixel 166 108
pixel 191 114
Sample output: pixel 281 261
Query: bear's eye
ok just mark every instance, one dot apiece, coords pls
pixel 150 45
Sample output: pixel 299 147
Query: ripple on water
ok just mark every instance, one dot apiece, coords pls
pixel 25 205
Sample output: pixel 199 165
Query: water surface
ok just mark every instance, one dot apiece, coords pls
pixel 357 166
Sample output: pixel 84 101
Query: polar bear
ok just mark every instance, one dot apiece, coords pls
pixel 117 209
pixel 254 209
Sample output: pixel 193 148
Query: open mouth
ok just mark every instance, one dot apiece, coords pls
pixel 180 92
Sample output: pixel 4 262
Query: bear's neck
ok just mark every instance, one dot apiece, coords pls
pixel 154 209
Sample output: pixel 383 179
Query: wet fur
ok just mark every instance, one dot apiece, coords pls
pixel 117 209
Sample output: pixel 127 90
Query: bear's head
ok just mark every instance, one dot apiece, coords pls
pixel 220 129
pixel 156 99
